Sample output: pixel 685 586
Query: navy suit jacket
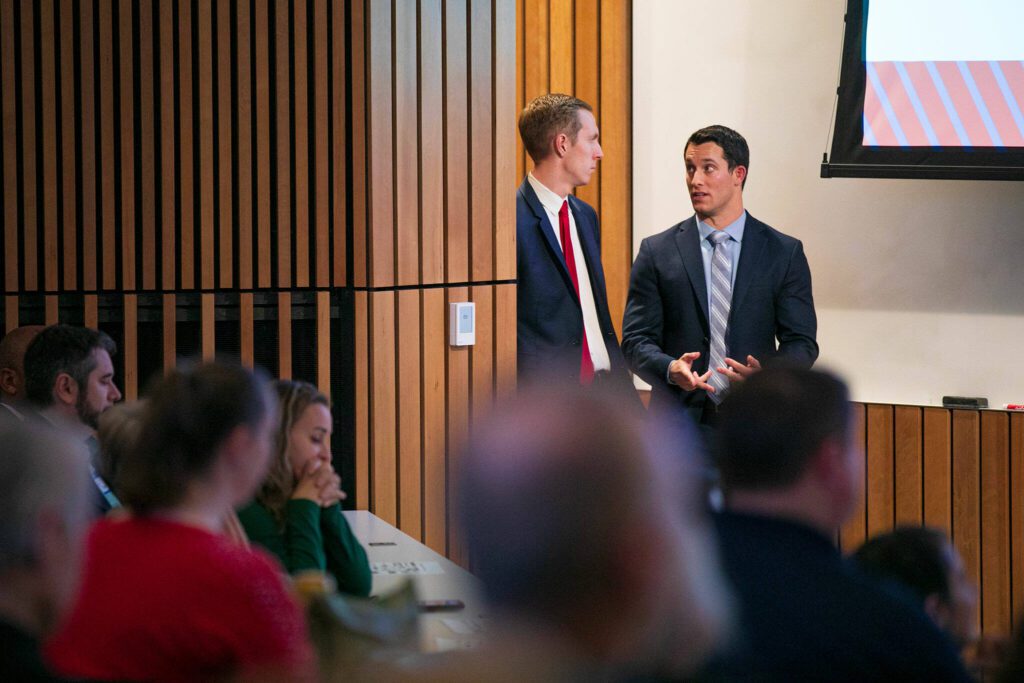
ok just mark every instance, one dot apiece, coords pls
pixel 667 310
pixel 550 320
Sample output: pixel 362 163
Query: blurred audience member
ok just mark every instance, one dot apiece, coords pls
pixel 69 378
pixel 44 508
pixel 591 545
pixel 924 562
pixel 297 513
pixel 165 597
pixel 118 435
pixel 792 476
pixel 12 371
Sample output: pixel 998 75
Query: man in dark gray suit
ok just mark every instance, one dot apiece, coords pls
pixel 715 295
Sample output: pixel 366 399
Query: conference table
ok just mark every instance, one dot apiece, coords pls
pixel 395 555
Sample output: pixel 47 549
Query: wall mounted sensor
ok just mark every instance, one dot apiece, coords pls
pixel 462 324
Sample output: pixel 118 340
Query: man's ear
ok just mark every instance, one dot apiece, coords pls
pixel 937 609
pixel 741 174
pixel 65 389
pixel 9 381
pixel 561 144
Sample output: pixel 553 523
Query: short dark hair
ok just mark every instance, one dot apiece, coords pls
pixel 773 423
pixel 547 116
pixel 734 146
pixel 914 557
pixel 190 413
pixel 61 349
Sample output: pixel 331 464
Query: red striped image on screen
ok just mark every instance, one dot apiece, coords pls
pixel 944 104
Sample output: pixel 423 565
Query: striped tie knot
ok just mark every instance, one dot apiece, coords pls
pixel 718 237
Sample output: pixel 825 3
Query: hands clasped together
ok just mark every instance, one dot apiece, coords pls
pixel 319 483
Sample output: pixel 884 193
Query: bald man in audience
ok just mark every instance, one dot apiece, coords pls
pixel 12 371
pixel 792 476
pixel 44 508
pixel 593 549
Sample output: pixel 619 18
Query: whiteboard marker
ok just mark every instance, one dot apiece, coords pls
pixel 1014 406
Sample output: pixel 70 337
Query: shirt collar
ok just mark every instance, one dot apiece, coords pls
pixel 734 229
pixel 548 199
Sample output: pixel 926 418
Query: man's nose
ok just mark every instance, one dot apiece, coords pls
pixel 600 153
pixel 116 393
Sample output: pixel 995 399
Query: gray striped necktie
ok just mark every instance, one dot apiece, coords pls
pixel 721 302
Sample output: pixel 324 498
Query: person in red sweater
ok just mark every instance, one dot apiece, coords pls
pixel 165 596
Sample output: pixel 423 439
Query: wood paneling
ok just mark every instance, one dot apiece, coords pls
pixel 582 48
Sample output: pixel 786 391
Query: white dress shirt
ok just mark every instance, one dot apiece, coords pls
pixel 552 204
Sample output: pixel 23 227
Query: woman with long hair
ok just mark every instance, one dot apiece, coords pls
pixel 296 513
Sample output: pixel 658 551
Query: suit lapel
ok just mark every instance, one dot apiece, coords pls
pixel 687 240
pixel 754 241
pixel 542 224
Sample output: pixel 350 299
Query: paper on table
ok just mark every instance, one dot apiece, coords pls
pixel 445 644
pixel 464 627
pixel 402 568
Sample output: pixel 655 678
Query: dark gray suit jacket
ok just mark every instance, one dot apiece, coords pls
pixel 667 310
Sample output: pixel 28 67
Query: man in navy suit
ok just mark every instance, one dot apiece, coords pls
pixel 564 329
pixel 763 308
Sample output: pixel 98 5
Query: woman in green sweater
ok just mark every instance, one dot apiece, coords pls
pixel 296 513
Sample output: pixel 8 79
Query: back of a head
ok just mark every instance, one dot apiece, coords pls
pixel 61 349
pixel 912 556
pixel 41 472
pixel 189 414
pixel 12 360
pixel 545 117
pixel 773 424
pixel 117 435
pixel 541 497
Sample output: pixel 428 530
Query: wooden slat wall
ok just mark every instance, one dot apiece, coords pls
pixel 583 48
pixel 433 223
pixel 960 471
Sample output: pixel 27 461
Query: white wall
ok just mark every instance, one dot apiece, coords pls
pixel 918 283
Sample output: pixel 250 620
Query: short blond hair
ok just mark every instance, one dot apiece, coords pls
pixel 547 116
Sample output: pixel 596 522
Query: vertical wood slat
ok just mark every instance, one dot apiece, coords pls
pixel 855 531
pixel 261 32
pixel 168 176
pixel 587 78
pixel 130 347
pixel 431 143
pixel 170 331
pixel 127 161
pixel 504 151
pixel 8 107
pixel 505 341
pixel 380 131
pixel 409 333
pixel 47 44
pixel 435 483
pixel 480 158
pixel 458 405
pixel 1016 484
pixel 938 469
pixel 879 468
pixel 907 468
pixel 29 190
pixel 185 147
pixel 207 327
pixel 966 492
pixel 456 122
pixel 69 189
pixel 360 131
pixel 148 145
pixel 520 94
pixel 361 410
pixel 225 187
pixel 10 313
pixel 406 146
pixel 322 219
pixel 562 37
pixel 284 335
pixel 482 353
pixel 300 147
pixel 339 101
pixel 91 312
pixel 284 225
pixel 205 188
pixel 107 118
pixel 383 447
pixel 51 309
pixel 246 226
pixel 996 594
pixel 323 342
pixel 616 179
pixel 247 331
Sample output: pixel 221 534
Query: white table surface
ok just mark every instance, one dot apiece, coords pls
pixel 385 543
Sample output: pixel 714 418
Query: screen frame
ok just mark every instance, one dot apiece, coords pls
pixel 850 158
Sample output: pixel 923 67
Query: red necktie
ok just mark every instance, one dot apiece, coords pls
pixel 586 362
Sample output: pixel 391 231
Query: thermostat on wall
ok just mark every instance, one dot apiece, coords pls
pixel 462 324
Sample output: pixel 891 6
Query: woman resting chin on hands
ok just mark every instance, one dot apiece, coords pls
pixel 296 514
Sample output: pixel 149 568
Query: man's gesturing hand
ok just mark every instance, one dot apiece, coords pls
pixel 680 373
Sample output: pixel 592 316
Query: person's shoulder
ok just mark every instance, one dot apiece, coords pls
pixel 669 234
pixel 770 233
